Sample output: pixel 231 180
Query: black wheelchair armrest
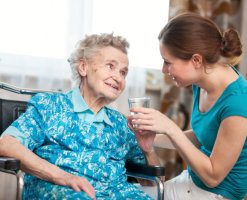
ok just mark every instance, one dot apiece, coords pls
pixel 149 170
pixel 155 173
pixel 10 165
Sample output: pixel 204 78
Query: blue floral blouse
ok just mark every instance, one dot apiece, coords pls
pixel 61 129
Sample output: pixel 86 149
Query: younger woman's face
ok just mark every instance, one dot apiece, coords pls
pixel 181 71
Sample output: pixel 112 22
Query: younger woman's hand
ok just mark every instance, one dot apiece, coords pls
pixel 151 120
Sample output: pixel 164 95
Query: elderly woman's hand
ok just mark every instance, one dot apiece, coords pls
pixel 144 138
pixel 77 183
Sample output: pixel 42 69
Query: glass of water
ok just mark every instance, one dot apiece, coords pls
pixel 138 102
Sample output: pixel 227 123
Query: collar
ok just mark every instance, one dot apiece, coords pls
pixel 80 106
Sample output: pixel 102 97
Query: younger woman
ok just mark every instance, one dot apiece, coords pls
pixel 196 53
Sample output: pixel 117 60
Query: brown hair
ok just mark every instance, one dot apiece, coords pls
pixel 190 33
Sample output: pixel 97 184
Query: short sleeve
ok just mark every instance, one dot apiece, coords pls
pixel 235 106
pixel 29 127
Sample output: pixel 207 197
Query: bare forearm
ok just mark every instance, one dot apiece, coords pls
pixel 163 141
pixel 198 162
pixel 187 146
pixel 33 164
pixel 152 158
pixel 30 162
pixel 209 169
pixel 42 169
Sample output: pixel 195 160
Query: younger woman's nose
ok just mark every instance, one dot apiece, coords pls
pixel 165 69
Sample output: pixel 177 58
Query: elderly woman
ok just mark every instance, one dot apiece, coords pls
pixel 70 145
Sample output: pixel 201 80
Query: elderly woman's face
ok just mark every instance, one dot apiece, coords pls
pixel 106 73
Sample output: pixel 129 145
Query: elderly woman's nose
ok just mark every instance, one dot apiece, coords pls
pixel 117 75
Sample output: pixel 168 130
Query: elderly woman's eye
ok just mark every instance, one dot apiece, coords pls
pixel 109 66
pixel 123 73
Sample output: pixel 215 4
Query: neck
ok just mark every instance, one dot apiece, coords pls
pixel 93 102
pixel 216 78
pixel 213 84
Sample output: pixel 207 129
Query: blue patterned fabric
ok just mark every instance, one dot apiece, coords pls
pixel 96 149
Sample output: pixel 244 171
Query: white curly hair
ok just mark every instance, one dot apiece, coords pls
pixel 89 46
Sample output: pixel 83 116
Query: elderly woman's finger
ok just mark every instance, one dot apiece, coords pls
pixel 87 188
pixel 130 126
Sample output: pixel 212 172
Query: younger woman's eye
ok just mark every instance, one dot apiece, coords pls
pixel 167 63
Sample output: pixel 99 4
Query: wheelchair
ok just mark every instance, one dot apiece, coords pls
pixel 13 102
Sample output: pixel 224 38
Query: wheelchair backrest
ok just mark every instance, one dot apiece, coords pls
pixel 13 102
pixel 10 110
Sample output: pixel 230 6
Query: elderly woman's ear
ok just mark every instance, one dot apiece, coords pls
pixel 82 67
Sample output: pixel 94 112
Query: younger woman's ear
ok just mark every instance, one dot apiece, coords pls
pixel 197 60
pixel 82 67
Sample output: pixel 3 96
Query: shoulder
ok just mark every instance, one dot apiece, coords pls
pixel 237 93
pixel 116 116
pixel 235 103
pixel 237 99
pixel 114 113
pixel 48 99
pixel 120 124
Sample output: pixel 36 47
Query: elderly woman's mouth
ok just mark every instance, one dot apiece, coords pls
pixel 114 86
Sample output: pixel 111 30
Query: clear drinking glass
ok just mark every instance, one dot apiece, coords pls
pixel 138 102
